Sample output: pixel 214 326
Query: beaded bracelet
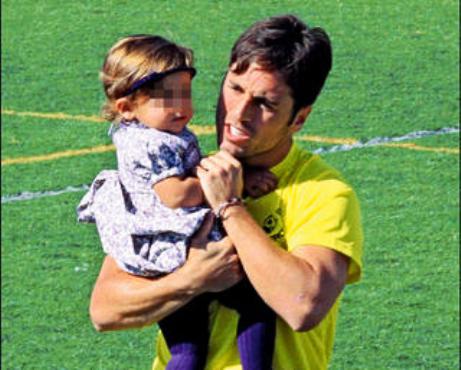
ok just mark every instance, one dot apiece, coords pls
pixel 223 206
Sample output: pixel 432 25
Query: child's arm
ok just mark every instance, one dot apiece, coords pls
pixel 176 192
pixel 258 182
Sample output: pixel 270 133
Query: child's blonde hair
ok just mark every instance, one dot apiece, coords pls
pixel 133 58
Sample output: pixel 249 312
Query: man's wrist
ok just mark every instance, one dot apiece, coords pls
pixel 232 210
pixel 220 210
pixel 187 284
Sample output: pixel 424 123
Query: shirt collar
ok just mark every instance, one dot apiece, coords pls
pixel 287 163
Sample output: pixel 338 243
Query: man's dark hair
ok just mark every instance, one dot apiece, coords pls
pixel 302 55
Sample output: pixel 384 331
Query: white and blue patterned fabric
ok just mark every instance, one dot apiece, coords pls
pixel 143 235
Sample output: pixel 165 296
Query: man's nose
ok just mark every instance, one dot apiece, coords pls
pixel 241 112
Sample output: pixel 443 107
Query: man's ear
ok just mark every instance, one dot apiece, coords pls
pixel 125 108
pixel 300 118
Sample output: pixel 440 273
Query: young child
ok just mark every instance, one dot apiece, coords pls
pixel 148 210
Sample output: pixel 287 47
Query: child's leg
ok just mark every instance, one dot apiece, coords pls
pixel 256 326
pixel 186 334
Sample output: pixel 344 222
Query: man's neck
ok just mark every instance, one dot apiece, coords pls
pixel 269 159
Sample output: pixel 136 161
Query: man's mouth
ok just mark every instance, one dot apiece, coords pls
pixel 235 134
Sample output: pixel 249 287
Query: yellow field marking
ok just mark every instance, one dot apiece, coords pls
pixel 413 146
pixel 328 140
pixel 202 129
pixel 57 155
pixel 109 148
pixel 198 129
pixel 59 116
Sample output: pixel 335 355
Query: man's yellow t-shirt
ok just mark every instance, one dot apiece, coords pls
pixel 311 206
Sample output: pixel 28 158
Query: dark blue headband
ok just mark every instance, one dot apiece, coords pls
pixel 156 76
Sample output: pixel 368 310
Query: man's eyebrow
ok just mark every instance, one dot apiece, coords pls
pixel 235 85
pixel 264 98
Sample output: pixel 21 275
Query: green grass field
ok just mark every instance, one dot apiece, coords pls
pixel 395 72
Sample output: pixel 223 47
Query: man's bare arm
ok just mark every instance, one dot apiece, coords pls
pixel 301 286
pixel 121 301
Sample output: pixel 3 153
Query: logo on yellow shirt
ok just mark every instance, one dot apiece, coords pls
pixel 273 226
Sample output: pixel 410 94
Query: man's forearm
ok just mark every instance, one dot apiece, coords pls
pixel 122 301
pixel 300 288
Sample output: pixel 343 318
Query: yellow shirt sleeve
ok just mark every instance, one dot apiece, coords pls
pixel 326 212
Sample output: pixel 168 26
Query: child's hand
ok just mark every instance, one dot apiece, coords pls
pixel 258 182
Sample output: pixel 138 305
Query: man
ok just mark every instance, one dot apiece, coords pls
pixel 298 245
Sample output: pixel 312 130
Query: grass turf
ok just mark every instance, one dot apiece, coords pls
pixel 395 71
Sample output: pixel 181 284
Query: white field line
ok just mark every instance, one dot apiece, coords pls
pixel 26 195
pixel 386 140
pixel 325 150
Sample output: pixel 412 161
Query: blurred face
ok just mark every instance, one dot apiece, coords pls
pixel 168 106
pixel 254 114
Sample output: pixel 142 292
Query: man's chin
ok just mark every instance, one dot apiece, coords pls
pixel 232 149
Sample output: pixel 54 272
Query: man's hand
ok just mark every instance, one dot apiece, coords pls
pixel 214 266
pixel 221 178
pixel 121 300
pixel 258 182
